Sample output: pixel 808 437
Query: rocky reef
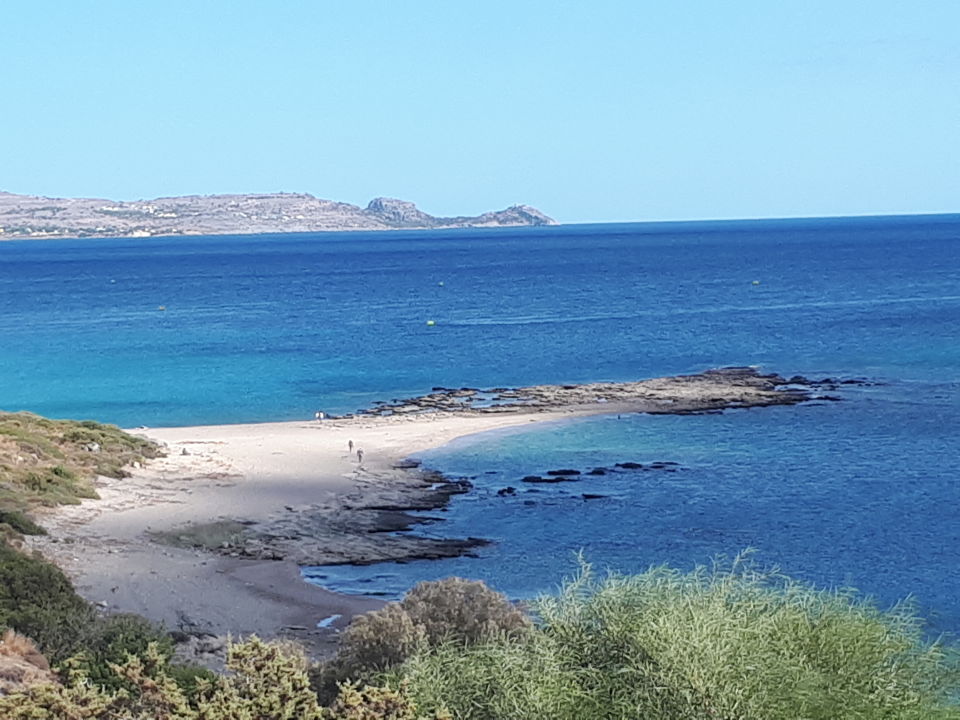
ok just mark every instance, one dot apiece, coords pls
pixel 371 527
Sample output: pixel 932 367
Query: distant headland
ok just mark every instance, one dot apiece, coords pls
pixel 27 216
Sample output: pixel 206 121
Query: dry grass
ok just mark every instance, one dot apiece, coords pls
pixel 21 664
pixel 14 645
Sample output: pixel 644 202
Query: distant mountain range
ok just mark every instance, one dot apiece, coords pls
pixel 26 216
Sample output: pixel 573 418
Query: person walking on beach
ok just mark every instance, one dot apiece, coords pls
pixel 359 456
pixel 320 415
pixel 350 446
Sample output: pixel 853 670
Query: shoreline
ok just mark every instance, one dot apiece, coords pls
pixel 264 499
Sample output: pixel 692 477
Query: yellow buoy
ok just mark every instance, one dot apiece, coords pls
pixel 431 323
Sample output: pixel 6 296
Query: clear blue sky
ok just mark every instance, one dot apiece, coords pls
pixel 592 111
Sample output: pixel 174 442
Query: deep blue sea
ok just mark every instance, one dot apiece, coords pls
pixel 863 493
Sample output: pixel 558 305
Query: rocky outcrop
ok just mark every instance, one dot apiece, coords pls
pixel 713 390
pixel 26 216
pixel 359 534
pixel 399 213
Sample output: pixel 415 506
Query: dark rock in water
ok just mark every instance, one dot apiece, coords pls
pixel 531 478
pixel 458 487
pixel 529 502
pixel 597 471
pixel 551 479
pixel 563 472
pixel 630 465
pixel 507 491
pixel 592 496
pixel 407 464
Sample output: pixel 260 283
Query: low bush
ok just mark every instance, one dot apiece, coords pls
pixel 713 643
pixel 452 610
pixel 265 683
pixel 108 641
pixel 37 600
pixel 464 611
pixel 18 522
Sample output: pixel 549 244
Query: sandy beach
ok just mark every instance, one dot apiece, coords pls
pixel 252 473
pixel 304 499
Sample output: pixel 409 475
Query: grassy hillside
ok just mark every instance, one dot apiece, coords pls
pixel 53 462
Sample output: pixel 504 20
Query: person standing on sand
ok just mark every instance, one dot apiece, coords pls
pixel 320 415
pixel 350 446
pixel 359 456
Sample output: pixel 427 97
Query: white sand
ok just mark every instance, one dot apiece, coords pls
pixel 248 472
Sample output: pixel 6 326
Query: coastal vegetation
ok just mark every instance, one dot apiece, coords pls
pixel 716 642
pixel 39 602
pixel 47 462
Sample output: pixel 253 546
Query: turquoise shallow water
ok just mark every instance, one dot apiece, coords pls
pixel 862 492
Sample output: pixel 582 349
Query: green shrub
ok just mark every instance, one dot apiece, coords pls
pixel 20 523
pixel 462 610
pixel 191 679
pixel 37 600
pixel 451 610
pixel 108 641
pixel 712 643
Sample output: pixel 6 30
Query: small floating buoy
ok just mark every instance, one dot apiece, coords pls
pixel 756 282
pixel 440 283
pixel 162 307
pixel 431 323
